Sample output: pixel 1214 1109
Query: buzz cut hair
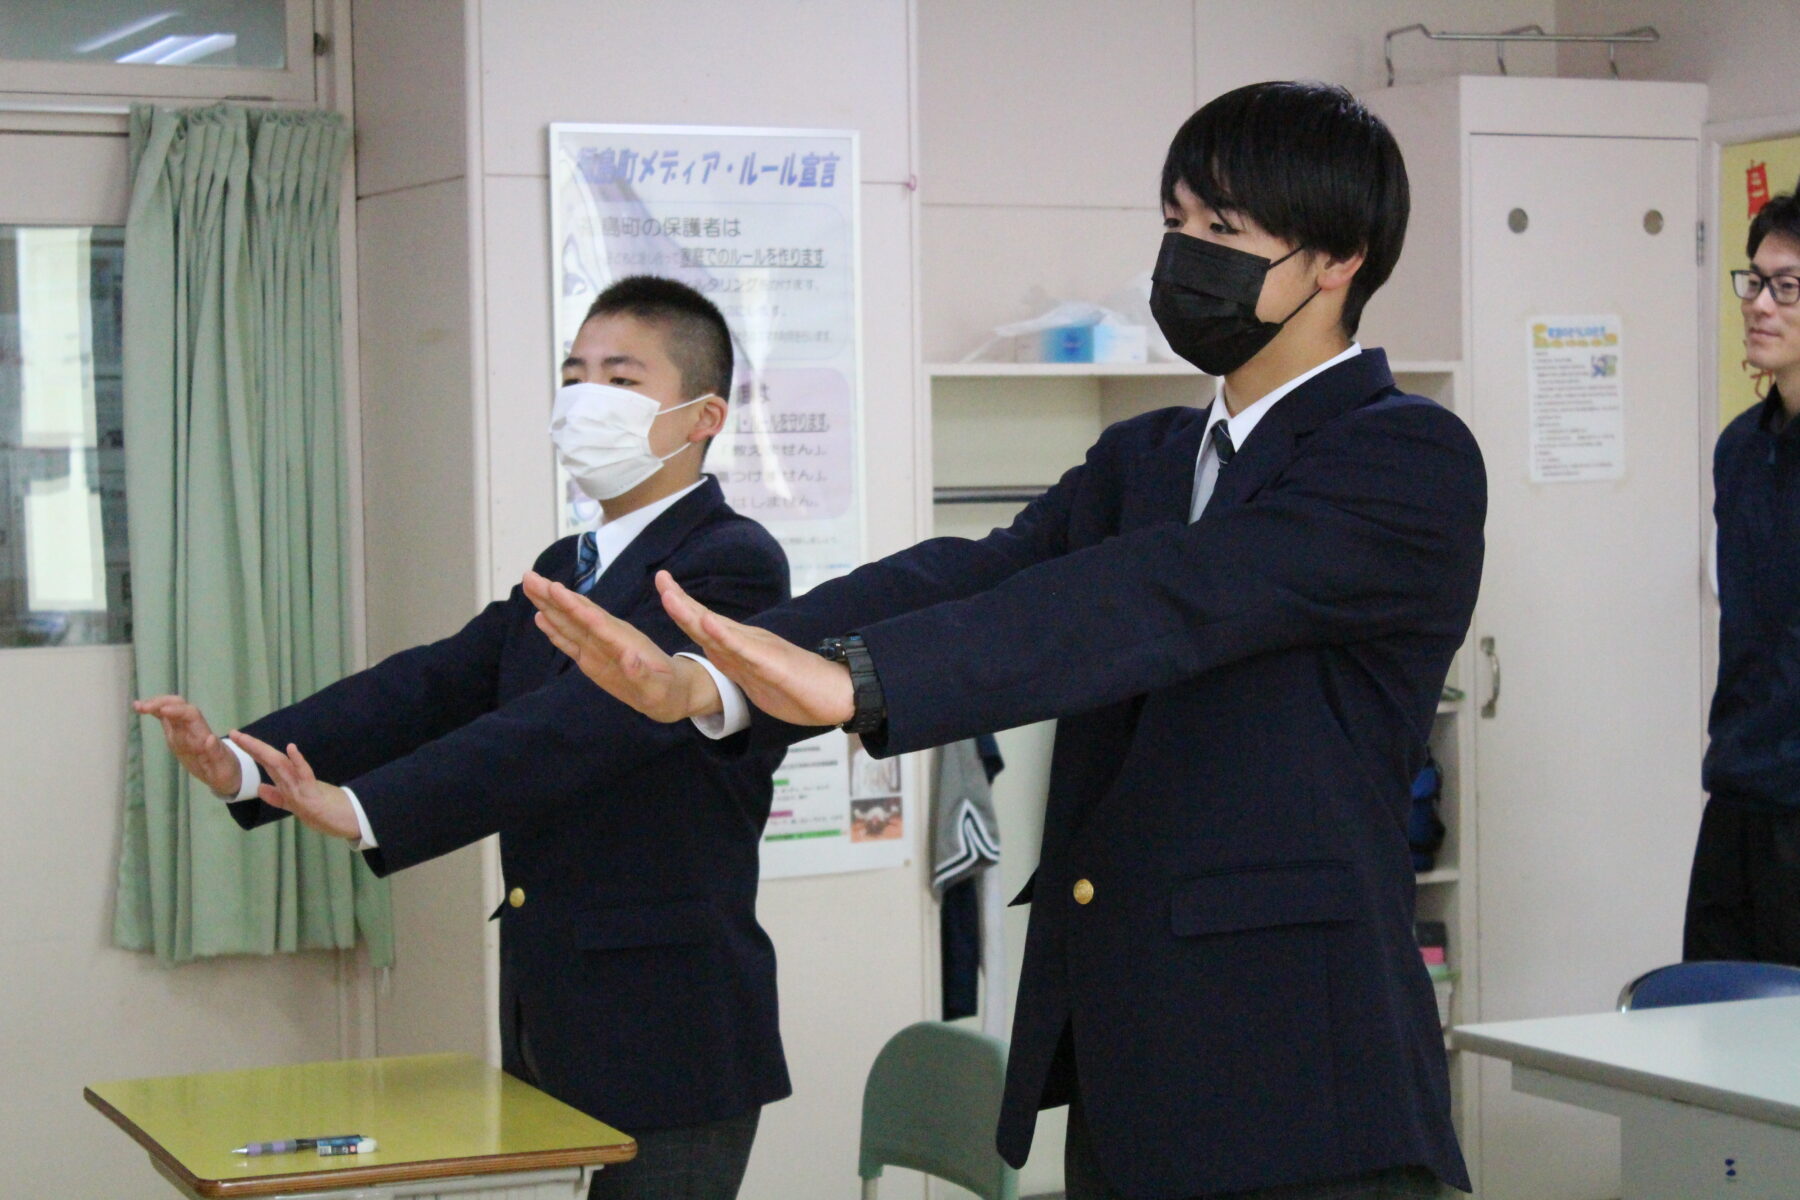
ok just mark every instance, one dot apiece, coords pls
pixel 699 341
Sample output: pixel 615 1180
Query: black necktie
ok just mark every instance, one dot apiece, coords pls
pixel 1221 436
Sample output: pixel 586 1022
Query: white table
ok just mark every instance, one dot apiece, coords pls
pixel 1707 1095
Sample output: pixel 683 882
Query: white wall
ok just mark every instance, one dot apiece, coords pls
pixel 73 1009
pixel 1727 46
pixel 422 475
pixel 1043 126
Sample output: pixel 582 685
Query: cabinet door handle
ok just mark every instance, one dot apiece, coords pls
pixel 1493 658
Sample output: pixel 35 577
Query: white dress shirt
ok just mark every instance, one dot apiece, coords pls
pixel 734 712
pixel 610 539
pixel 1206 466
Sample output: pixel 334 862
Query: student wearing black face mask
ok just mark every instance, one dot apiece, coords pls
pixel 1242 615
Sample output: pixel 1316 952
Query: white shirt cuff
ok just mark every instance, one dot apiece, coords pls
pixel 252 779
pixel 366 838
pixel 734 712
pixel 249 778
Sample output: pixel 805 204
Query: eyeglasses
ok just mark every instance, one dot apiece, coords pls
pixel 1749 285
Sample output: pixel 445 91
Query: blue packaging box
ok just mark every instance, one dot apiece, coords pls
pixel 1068 344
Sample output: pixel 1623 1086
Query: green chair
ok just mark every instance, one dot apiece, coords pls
pixel 931 1104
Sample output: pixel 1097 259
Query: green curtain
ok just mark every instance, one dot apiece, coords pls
pixel 234 463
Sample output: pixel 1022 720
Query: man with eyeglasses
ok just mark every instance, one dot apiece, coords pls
pixel 1744 894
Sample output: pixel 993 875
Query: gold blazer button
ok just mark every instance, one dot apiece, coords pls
pixel 516 897
pixel 1084 891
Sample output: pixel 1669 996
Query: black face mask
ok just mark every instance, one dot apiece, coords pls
pixel 1203 296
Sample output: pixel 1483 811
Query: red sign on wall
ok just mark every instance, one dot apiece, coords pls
pixel 1756 185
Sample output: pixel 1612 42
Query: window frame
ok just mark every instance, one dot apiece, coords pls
pixel 71 82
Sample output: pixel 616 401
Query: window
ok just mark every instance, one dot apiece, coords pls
pixel 145 49
pixel 201 33
pixel 64 575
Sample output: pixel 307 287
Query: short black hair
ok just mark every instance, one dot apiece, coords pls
pixel 1307 162
pixel 1780 215
pixel 699 341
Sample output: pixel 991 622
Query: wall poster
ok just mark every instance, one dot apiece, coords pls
pixel 765 223
pixel 1576 375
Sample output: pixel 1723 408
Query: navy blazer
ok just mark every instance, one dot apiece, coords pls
pixel 645 984
pixel 1243 702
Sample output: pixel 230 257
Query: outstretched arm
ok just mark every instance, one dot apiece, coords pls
pixel 196 747
pixel 1374 530
pixel 318 805
pixel 786 681
pixel 624 660
pixel 564 743
pixel 666 687
pixel 1370 536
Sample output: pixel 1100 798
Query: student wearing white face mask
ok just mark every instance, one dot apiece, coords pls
pixel 635 982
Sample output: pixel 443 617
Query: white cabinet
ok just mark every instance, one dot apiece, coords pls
pixel 1541 198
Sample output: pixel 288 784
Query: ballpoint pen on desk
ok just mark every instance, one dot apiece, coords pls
pixel 361 1146
pixel 292 1144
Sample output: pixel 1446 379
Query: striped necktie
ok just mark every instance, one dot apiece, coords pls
pixel 587 562
pixel 1221 436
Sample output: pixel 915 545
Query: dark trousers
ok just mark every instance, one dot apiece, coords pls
pixel 692 1162
pixel 687 1162
pixel 1744 894
pixel 1082 1179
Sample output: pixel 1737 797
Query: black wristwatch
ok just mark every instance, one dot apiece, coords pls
pixel 871 707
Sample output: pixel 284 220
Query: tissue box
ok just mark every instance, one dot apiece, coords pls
pixel 1121 344
pixel 1066 344
pixel 1093 343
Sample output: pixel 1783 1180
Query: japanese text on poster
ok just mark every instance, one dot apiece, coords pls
pixel 764 222
pixel 1576 372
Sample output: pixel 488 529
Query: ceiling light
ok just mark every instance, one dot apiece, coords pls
pixel 123 32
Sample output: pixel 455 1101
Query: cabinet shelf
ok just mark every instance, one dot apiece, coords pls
pixel 1441 875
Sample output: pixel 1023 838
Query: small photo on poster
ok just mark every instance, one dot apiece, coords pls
pixel 876 820
pixel 871 777
pixel 875 807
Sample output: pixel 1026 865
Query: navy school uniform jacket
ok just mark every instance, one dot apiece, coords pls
pixel 642 979
pixel 1752 757
pixel 1243 702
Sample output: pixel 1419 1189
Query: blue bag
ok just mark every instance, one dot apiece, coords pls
pixel 1424 831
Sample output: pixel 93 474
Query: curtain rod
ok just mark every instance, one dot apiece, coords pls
pixel 1524 33
pixel 67 110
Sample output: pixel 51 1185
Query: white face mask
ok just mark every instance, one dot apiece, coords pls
pixel 602 436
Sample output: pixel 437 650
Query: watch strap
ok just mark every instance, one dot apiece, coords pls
pixel 871 706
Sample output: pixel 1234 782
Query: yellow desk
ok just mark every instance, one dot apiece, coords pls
pixel 446 1125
